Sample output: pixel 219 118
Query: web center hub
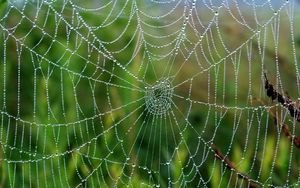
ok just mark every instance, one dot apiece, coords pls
pixel 158 97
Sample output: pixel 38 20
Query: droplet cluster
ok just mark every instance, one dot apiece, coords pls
pixel 158 97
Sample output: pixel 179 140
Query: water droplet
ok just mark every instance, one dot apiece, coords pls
pixel 158 97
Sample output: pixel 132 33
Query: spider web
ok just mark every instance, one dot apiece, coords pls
pixel 148 93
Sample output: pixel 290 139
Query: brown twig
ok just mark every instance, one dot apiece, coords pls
pixel 285 129
pixel 287 103
pixel 284 100
pixel 230 165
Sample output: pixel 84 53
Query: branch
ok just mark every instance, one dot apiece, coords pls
pixel 285 101
pixel 230 165
pixel 285 129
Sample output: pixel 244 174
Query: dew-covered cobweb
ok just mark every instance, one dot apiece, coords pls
pixel 158 93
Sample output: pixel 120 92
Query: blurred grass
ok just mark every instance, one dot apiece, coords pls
pixel 54 140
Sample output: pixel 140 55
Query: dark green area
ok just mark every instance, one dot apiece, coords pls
pixel 73 115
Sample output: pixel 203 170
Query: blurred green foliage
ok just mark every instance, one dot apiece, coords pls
pixel 63 96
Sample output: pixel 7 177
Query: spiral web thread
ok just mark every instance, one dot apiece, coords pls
pixel 158 98
pixel 157 93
